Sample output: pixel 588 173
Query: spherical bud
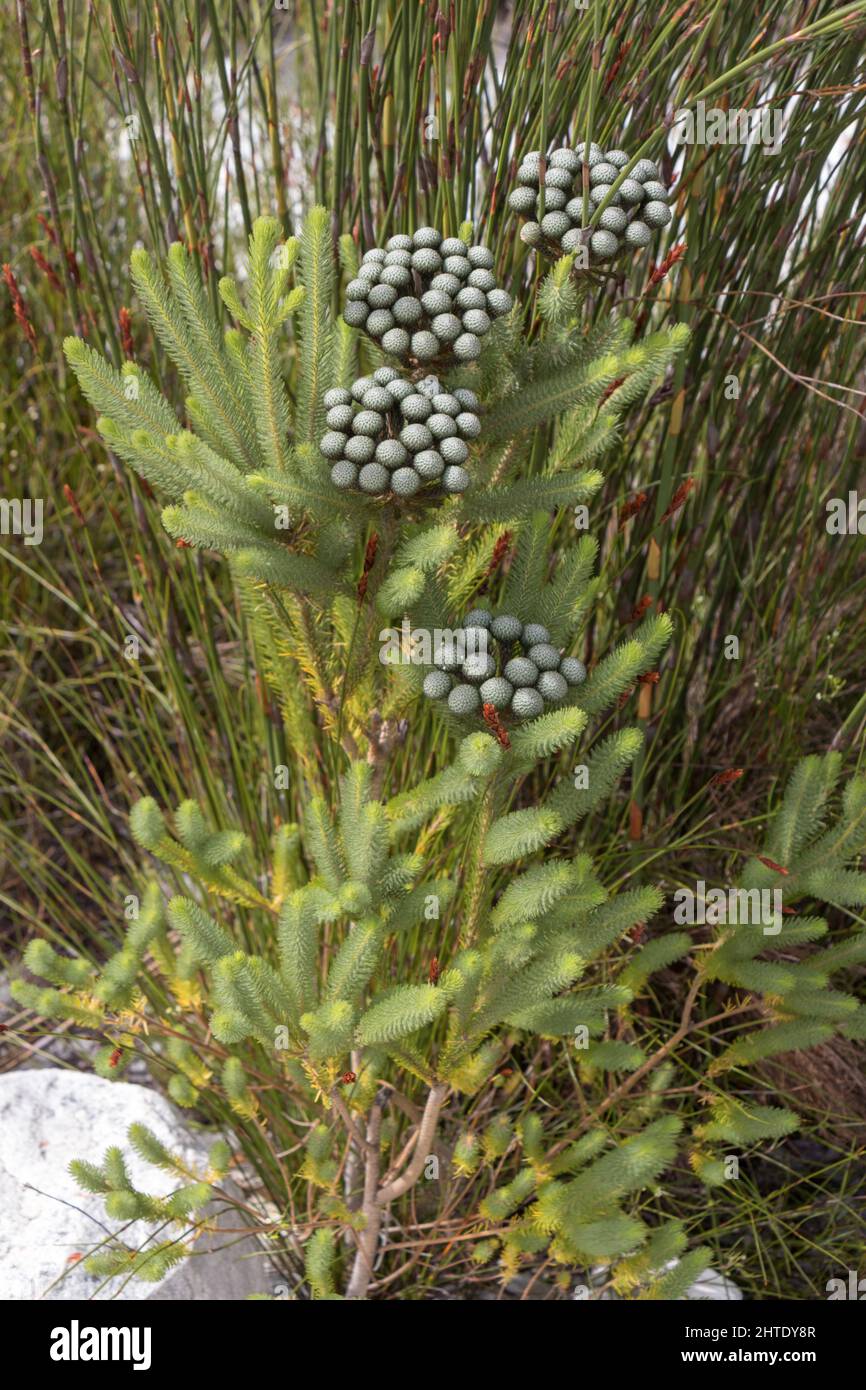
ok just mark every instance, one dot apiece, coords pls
pixel 403 258
pixel 424 346
pixel 455 479
pixel 499 302
pixel 453 451
pixel 467 398
pixel 416 438
pixel 397 275
pixel 497 691
pixel 441 426
pixel 555 199
pixel 428 464
pixel 453 246
pixel 468 346
pixel 379 322
pixel 599 193
pixel 446 404
pixel 377 398
pixel 447 284
pixel 344 474
pixel 526 703
pixel 400 242
pixel 638 234
pixel 482 280
pixel 360 448
pixel 426 237
pixel 565 159
pixel 381 296
pixel 368 422
pixel 530 233
pixel 656 214
pixel 521 671
pixel 396 341
pixel 544 654
pixel 391 453
pixel 573 670
pixel 533 633
pixel 479 617
pixel 356 313
pixel 527 176
pixel 480 257
pixel 552 686
pixel 400 388
pixel 618 158
pixel 374 478
pixel 645 171
pixel 437 685
pixel 360 387
pixel 613 220
pixel 476 321
pixel 631 191
pixel 436 302
pixel 426 261
pixel 505 628
pixel 572 241
pixel 374 254
pixel 554 225
pixel 468 425
pixel 407 309
pixel 478 667
pixel 464 699
pixel 336 396
pixel 369 272
pixel 340 417
pixel 655 192
pixel 470 298
pixel 603 245
pixel 357 289
pixel 602 173
pixel 333 443
pixel 405 482
pixel 415 407
pixel 459 266
pixel 557 178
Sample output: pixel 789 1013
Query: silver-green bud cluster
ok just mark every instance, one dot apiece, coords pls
pixel 426 295
pixel 639 206
pixel 517 669
pixel 389 435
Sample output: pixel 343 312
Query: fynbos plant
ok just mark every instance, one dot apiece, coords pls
pixel 366 977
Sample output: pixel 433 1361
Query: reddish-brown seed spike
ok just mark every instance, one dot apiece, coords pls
pixel 631 508
pixel 37 256
pixel 47 228
pixel 649 678
pixel 434 972
pixel 183 545
pixel 72 263
pixel 494 724
pixel 771 864
pixel 638 612
pixel 625 697
pixel 679 498
pixel 19 308
pixel 348 1078
pixel 115 1057
pixel 73 502
pixel 125 321
pixel 723 779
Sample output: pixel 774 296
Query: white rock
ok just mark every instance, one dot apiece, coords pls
pixel 49 1116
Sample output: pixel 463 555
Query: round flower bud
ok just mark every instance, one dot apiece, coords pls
pixel 424 346
pixel 429 388
pixel 613 220
pixel 459 266
pixel 357 289
pixel 379 322
pixel 468 425
pixel 381 296
pixel 416 438
pixel 604 245
pixel 476 321
pixel 545 656
pixel 428 464
pixel 369 272
pixel 482 280
pixel 383 376
pixel 467 398
pixel 391 453
pixel 478 667
pixel 400 242
pixel 645 170
pixel 360 448
pixel 631 191
pixel 405 482
pixel 455 479
pixel 374 478
pixel 552 686
pixel 530 233
pixel 360 387
pixel 521 671
pixel 435 302
pixel 426 261
pixel 452 246
pixel 505 628
pixel 565 159
pixel 397 275
pixel 336 396
pixel 446 404
pixel 426 237
pixel 497 691
pixel 557 178
pixel 447 656
pixel 499 302
pixel 441 426
pixel 618 158
pixel 526 703
pixel 368 422
pixel 403 258
pixel 453 451
pixel 356 313
pixel 415 407
pixel 573 670
pixel 340 417
pixel 572 241
pixel 599 193
pixel 399 389
pixel 655 192
pixel 574 210
pixel 449 284
pixel 480 257
pixel 527 176
pixel 479 617
pixel 656 214
pixel 344 474
pixel 396 341
pixel 377 398
pixel 374 254
pixel 333 443
pixel 436 685
pixel 534 633
pixel 464 699
pixel 595 155
pixel 638 234
pixel 602 173
pixel 470 298
pixel 554 200
pixel 467 347
pixel 555 225
pixel 407 309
